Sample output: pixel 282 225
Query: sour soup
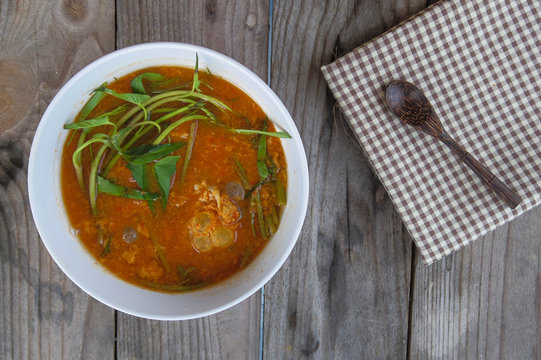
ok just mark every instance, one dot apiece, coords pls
pixel 173 178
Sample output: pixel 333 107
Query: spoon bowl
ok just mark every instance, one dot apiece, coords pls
pixel 409 103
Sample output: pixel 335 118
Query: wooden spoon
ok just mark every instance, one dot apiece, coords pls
pixel 413 108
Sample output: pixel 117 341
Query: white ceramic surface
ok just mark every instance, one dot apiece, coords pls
pixel 66 249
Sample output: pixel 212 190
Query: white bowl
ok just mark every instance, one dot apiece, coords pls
pixel 66 249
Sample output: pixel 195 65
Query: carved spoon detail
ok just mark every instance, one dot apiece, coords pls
pixel 413 108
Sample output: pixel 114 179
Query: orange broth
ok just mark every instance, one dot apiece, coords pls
pixel 169 232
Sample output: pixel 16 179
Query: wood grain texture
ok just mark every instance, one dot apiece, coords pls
pixel 42 313
pixel 238 29
pixel 231 334
pixel 343 293
pixel 483 302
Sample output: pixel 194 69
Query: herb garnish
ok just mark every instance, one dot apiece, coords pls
pixel 164 170
pixel 108 187
pixel 189 150
pixel 137 83
pixel 278 134
pixel 262 155
pixel 140 136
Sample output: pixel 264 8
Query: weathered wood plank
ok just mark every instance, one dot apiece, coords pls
pixel 484 301
pixel 42 313
pixel 344 291
pixel 238 29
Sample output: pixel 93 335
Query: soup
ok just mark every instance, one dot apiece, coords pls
pixel 173 178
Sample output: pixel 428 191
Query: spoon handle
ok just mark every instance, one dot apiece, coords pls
pixel 488 178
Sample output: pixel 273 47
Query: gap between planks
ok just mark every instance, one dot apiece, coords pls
pixel 269 63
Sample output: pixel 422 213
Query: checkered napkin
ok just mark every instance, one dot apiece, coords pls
pixel 479 64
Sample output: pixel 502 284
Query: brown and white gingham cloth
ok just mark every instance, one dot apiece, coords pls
pixel 479 63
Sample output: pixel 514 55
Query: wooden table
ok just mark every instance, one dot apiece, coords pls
pixel 353 287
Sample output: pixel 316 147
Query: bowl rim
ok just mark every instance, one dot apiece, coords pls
pixel 33 185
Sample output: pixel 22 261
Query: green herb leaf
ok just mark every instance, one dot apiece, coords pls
pixel 117 138
pixel 262 169
pixel 76 157
pixel 211 100
pixel 260 215
pixel 189 150
pixel 274 215
pixel 206 84
pixel 252 213
pixel 245 258
pixel 169 85
pixel 164 170
pixel 146 153
pixel 242 174
pixel 280 193
pixel 159 251
pixel 261 155
pixel 106 186
pixel 92 177
pixel 271 166
pixel 165 133
pixel 151 123
pixel 163 259
pixel 89 124
pixel 137 83
pixel 115 111
pixel 72 135
pixel 184 274
pixel 137 99
pixel 279 134
pixel 93 102
pixel 262 148
pixel 196 82
pixel 270 224
pixel 164 110
pixel 252 223
pixel 106 247
pixel 139 173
